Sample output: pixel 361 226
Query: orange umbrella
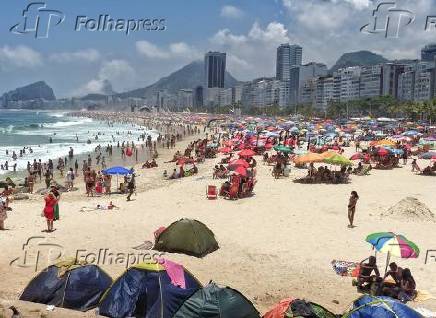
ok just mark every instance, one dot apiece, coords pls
pixel 309 158
pixel 328 154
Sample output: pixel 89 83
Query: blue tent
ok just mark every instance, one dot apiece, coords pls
pixel 146 291
pixel 380 307
pixel 78 288
pixel 118 171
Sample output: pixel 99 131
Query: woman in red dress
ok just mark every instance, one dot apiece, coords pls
pixel 50 202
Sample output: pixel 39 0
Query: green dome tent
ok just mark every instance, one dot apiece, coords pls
pixel 215 302
pixel 186 236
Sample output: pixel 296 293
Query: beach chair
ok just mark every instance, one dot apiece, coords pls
pixel 211 192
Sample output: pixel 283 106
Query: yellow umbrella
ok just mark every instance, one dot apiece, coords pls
pixel 384 142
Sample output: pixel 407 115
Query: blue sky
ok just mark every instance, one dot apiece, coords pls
pixel 76 63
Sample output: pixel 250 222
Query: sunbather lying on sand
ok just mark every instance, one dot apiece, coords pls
pixel 110 206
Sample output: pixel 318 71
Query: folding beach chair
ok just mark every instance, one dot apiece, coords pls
pixel 211 192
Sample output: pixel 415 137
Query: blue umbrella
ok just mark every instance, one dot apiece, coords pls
pixel 411 133
pixel 117 170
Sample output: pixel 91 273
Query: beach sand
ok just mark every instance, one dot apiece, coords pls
pixel 277 244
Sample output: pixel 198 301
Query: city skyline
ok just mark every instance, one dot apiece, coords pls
pixel 247 32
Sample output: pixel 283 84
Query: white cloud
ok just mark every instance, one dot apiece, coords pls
pixel 150 50
pixel 179 50
pixel 117 72
pixel 253 54
pixel 20 56
pixel 86 55
pixel 232 12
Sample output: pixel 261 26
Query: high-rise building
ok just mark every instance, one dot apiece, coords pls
pixel 428 53
pixel 184 99
pixel 417 82
pixel 198 97
pixel 214 69
pixel 391 74
pixel 347 81
pixel 371 81
pixel 302 75
pixel 324 92
pixel 289 57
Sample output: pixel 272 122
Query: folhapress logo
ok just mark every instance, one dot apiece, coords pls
pixel 38 20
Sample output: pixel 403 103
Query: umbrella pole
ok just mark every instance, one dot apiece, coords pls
pixel 387 261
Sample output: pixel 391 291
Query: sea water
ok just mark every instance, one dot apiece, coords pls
pixel 23 128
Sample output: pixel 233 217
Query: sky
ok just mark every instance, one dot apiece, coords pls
pixel 75 63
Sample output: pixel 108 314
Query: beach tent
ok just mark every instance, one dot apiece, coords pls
pixel 298 308
pixel 147 290
pixel 380 307
pixel 217 302
pixel 68 285
pixel 186 236
pixel 117 170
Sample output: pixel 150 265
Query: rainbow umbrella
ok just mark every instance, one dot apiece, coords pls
pixel 393 244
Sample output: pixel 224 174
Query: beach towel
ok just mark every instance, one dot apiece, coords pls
pixel 344 268
pixel 279 310
pixel 175 272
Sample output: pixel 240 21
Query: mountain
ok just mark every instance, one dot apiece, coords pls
pixel 358 58
pixel 36 91
pixel 189 76
pixel 104 91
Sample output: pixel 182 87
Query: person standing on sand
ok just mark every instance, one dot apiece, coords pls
pixel 352 207
pixel 50 202
pixel 3 215
pixel 131 187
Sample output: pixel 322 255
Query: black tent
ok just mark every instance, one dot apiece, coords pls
pixel 213 301
pixel 77 287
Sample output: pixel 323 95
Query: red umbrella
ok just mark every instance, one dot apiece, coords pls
pixel 359 156
pixel 241 171
pixel 225 150
pixel 238 163
pixel 246 153
pixel 382 152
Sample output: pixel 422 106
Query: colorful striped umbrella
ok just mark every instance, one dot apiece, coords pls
pixel 393 244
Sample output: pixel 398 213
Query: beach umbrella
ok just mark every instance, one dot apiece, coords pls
pixel 383 142
pixel 428 155
pixel 328 154
pixel 225 150
pixel 393 245
pixel 117 170
pixel 411 133
pixel 338 160
pixel 382 151
pixel 240 170
pixel 238 163
pixel 246 153
pixel 308 158
pixel 283 149
pixel 359 156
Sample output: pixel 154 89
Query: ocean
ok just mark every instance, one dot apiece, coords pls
pixel 23 128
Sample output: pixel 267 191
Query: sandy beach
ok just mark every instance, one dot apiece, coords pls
pixel 276 244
